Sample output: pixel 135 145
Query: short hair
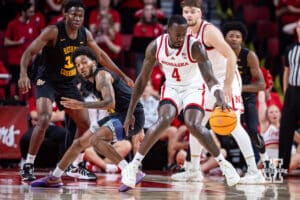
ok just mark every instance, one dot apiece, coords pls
pixel 237 26
pixel 84 51
pixel 72 3
pixel 192 3
pixel 178 19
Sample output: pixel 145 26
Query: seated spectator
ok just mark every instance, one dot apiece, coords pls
pixel 160 15
pixel 144 31
pixel 108 39
pixel 269 118
pixel 53 146
pixel 52 8
pixel 103 9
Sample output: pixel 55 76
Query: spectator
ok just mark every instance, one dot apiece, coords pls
pixel 160 15
pixel 108 39
pixel 143 33
pixel 103 9
pixel 20 32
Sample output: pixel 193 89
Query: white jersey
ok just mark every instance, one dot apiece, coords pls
pixel 177 64
pixel 219 63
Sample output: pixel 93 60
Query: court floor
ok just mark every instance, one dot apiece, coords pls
pixel 155 186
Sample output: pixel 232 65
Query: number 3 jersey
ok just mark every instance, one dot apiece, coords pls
pixel 177 64
pixel 57 65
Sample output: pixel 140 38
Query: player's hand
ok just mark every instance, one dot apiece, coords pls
pixel 129 123
pixel 129 81
pixel 227 91
pixel 222 104
pixel 24 84
pixel 71 103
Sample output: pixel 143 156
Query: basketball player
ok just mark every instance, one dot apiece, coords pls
pixel 248 64
pixel 224 66
pixel 115 95
pixel 183 61
pixel 56 78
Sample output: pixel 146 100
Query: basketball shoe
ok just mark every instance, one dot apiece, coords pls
pixel 190 174
pixel 130 177
pixel 139 177
pixel 232 177
pixel 253 177
pixel 80 172
pixel 47 181
pixel 27 172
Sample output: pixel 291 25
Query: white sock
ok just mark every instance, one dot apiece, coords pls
pixel 251 163
pixel 78 160
pixel 195 148
pixel 30 158
pixel 220 158
pixel 264 156
pixel 111 168
pixel 122 164
pixel 243 140
pixel 138 159
pixel 58 172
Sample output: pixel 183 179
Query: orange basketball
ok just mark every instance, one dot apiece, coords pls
pixel 222 122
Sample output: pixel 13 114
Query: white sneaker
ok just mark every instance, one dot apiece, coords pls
pixel 253 177
pixel 129 175
pixel 188 175
pixel 232 177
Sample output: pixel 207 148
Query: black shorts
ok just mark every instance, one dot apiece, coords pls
pixel 55 91
pixel 138 125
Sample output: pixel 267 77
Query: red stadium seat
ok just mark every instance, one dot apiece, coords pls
pixel 266 29
pixel 273 47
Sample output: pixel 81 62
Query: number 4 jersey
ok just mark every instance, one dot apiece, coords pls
pixel 177 64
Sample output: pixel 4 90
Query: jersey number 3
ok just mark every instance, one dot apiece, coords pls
pixel 69 63
pixel 175 74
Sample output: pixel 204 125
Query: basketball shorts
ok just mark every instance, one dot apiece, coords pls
pixel 183 97
pixel 54 91
pixel 115 123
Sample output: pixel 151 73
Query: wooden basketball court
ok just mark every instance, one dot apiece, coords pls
pixel 154 186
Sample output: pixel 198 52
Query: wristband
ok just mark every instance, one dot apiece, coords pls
pixel 214 88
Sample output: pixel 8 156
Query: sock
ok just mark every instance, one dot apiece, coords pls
pixel 58 172
pixel 220 158
pixel 138 159
pixel 78 160
pixel 30 158
pixel 264 156
pixel 122 164
pixel 251 163
pixel 243 140
pixel 196 149
pixel 111 168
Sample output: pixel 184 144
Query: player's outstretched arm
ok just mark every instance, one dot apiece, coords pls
pixel 141 83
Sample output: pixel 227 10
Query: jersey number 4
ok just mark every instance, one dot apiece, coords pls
pixel 175 74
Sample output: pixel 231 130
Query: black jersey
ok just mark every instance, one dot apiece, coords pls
pixel 122 93
pixel 244 70
pixel 57 65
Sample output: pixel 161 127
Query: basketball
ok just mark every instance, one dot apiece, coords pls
pixel 222 122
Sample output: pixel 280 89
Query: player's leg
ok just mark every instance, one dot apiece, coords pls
pixel 44 95
pixel 167 112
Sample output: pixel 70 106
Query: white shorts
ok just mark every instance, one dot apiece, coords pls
pixel 183 96
pixel 236 102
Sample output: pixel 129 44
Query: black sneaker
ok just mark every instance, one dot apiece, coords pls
pixel 260 144
pixel 80 172
pixel 27 172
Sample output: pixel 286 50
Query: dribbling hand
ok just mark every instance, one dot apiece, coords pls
pixel 129 123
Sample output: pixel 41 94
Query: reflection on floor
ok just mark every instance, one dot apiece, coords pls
pixel 155 186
